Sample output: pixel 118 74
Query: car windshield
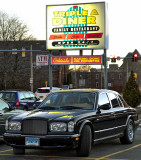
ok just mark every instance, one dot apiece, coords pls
pixel 69 101
pixel 8 96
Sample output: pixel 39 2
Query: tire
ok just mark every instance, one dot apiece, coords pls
pixel 128 137
pixel 85 144
pixel 18 150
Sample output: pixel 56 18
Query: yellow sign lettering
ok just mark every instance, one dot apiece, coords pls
pixel 72 21
pixel 55 14
pixel 70 13
pixel 56 21
pixel 94 12
pixel 62 14
pixel 82 20
pixel 91 20
pixel 84 12
pixel 75 20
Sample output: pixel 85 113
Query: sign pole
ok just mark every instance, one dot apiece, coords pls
pixel 105 69
pixel 31 69
pixel 50 70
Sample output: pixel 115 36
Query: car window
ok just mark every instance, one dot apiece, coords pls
pixel 27 95
pixel 103 99
pixel 123 101
pixel 32 96
pixel 120 101
pixel 1 94
pixel 8 96
pixel 3 105
pixel 113 100
pixel 21 96
pixel 52 100
pixel 82 100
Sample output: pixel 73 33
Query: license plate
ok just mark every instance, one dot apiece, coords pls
pixel 32 141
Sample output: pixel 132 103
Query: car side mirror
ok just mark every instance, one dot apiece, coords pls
pixel 104 107
pixel 37 99
pixel 11 108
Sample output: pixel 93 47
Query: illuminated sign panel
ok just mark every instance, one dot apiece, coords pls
pixel 76 26
pixel 41 60
pixel 68 60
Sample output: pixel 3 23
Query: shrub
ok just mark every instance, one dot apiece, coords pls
pixel 131 92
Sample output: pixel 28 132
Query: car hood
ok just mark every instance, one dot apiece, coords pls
pixel 51 114
pixel 17 111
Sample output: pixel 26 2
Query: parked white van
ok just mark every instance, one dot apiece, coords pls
pixel 43 92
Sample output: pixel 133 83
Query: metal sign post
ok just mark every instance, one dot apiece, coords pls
pixel 31 69
pixel 105 69
pixel 50 70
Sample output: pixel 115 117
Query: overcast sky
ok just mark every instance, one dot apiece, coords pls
pixel 124 20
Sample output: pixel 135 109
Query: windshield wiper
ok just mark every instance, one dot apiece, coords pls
pixel 70 107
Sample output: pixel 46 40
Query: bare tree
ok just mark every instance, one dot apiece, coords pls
pixel 11 29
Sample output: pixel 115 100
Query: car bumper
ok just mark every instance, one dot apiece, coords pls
pixel 47 141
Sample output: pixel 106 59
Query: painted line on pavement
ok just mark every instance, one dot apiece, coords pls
pixel 114 159
pixel 119 152
pixel 44 156
pixel 6 150
pixel 100 158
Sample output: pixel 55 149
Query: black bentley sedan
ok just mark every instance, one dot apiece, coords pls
pixel 73 119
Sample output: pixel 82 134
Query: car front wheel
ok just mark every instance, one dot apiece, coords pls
pixel 128 137
pixel 85 142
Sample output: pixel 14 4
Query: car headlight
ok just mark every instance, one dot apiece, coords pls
pixel 71 126
pixel 58 126
pixel 16 126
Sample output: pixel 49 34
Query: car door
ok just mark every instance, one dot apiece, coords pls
pixel 120 112
pixel 105 121
pixel 4 114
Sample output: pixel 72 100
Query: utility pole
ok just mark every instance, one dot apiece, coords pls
pixel 75 78
pixel 105 69
pixel 31 69
pixel 101 74
pixel 50 70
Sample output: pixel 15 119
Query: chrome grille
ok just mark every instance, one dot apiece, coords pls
pixel 34 126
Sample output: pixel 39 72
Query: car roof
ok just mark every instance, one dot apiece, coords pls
pixel 49 88
pixel 88 90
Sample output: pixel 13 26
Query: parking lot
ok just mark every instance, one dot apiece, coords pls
pixel 111 150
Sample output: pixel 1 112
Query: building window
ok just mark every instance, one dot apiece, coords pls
pixel 120 76
pixel 112 75
pixel 97 84
pixel 97 76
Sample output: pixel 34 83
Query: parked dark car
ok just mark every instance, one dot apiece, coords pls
pixel 73 119
pixel 6 110
pixel 24 100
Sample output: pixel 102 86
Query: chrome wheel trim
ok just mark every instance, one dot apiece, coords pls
pixel 130 132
